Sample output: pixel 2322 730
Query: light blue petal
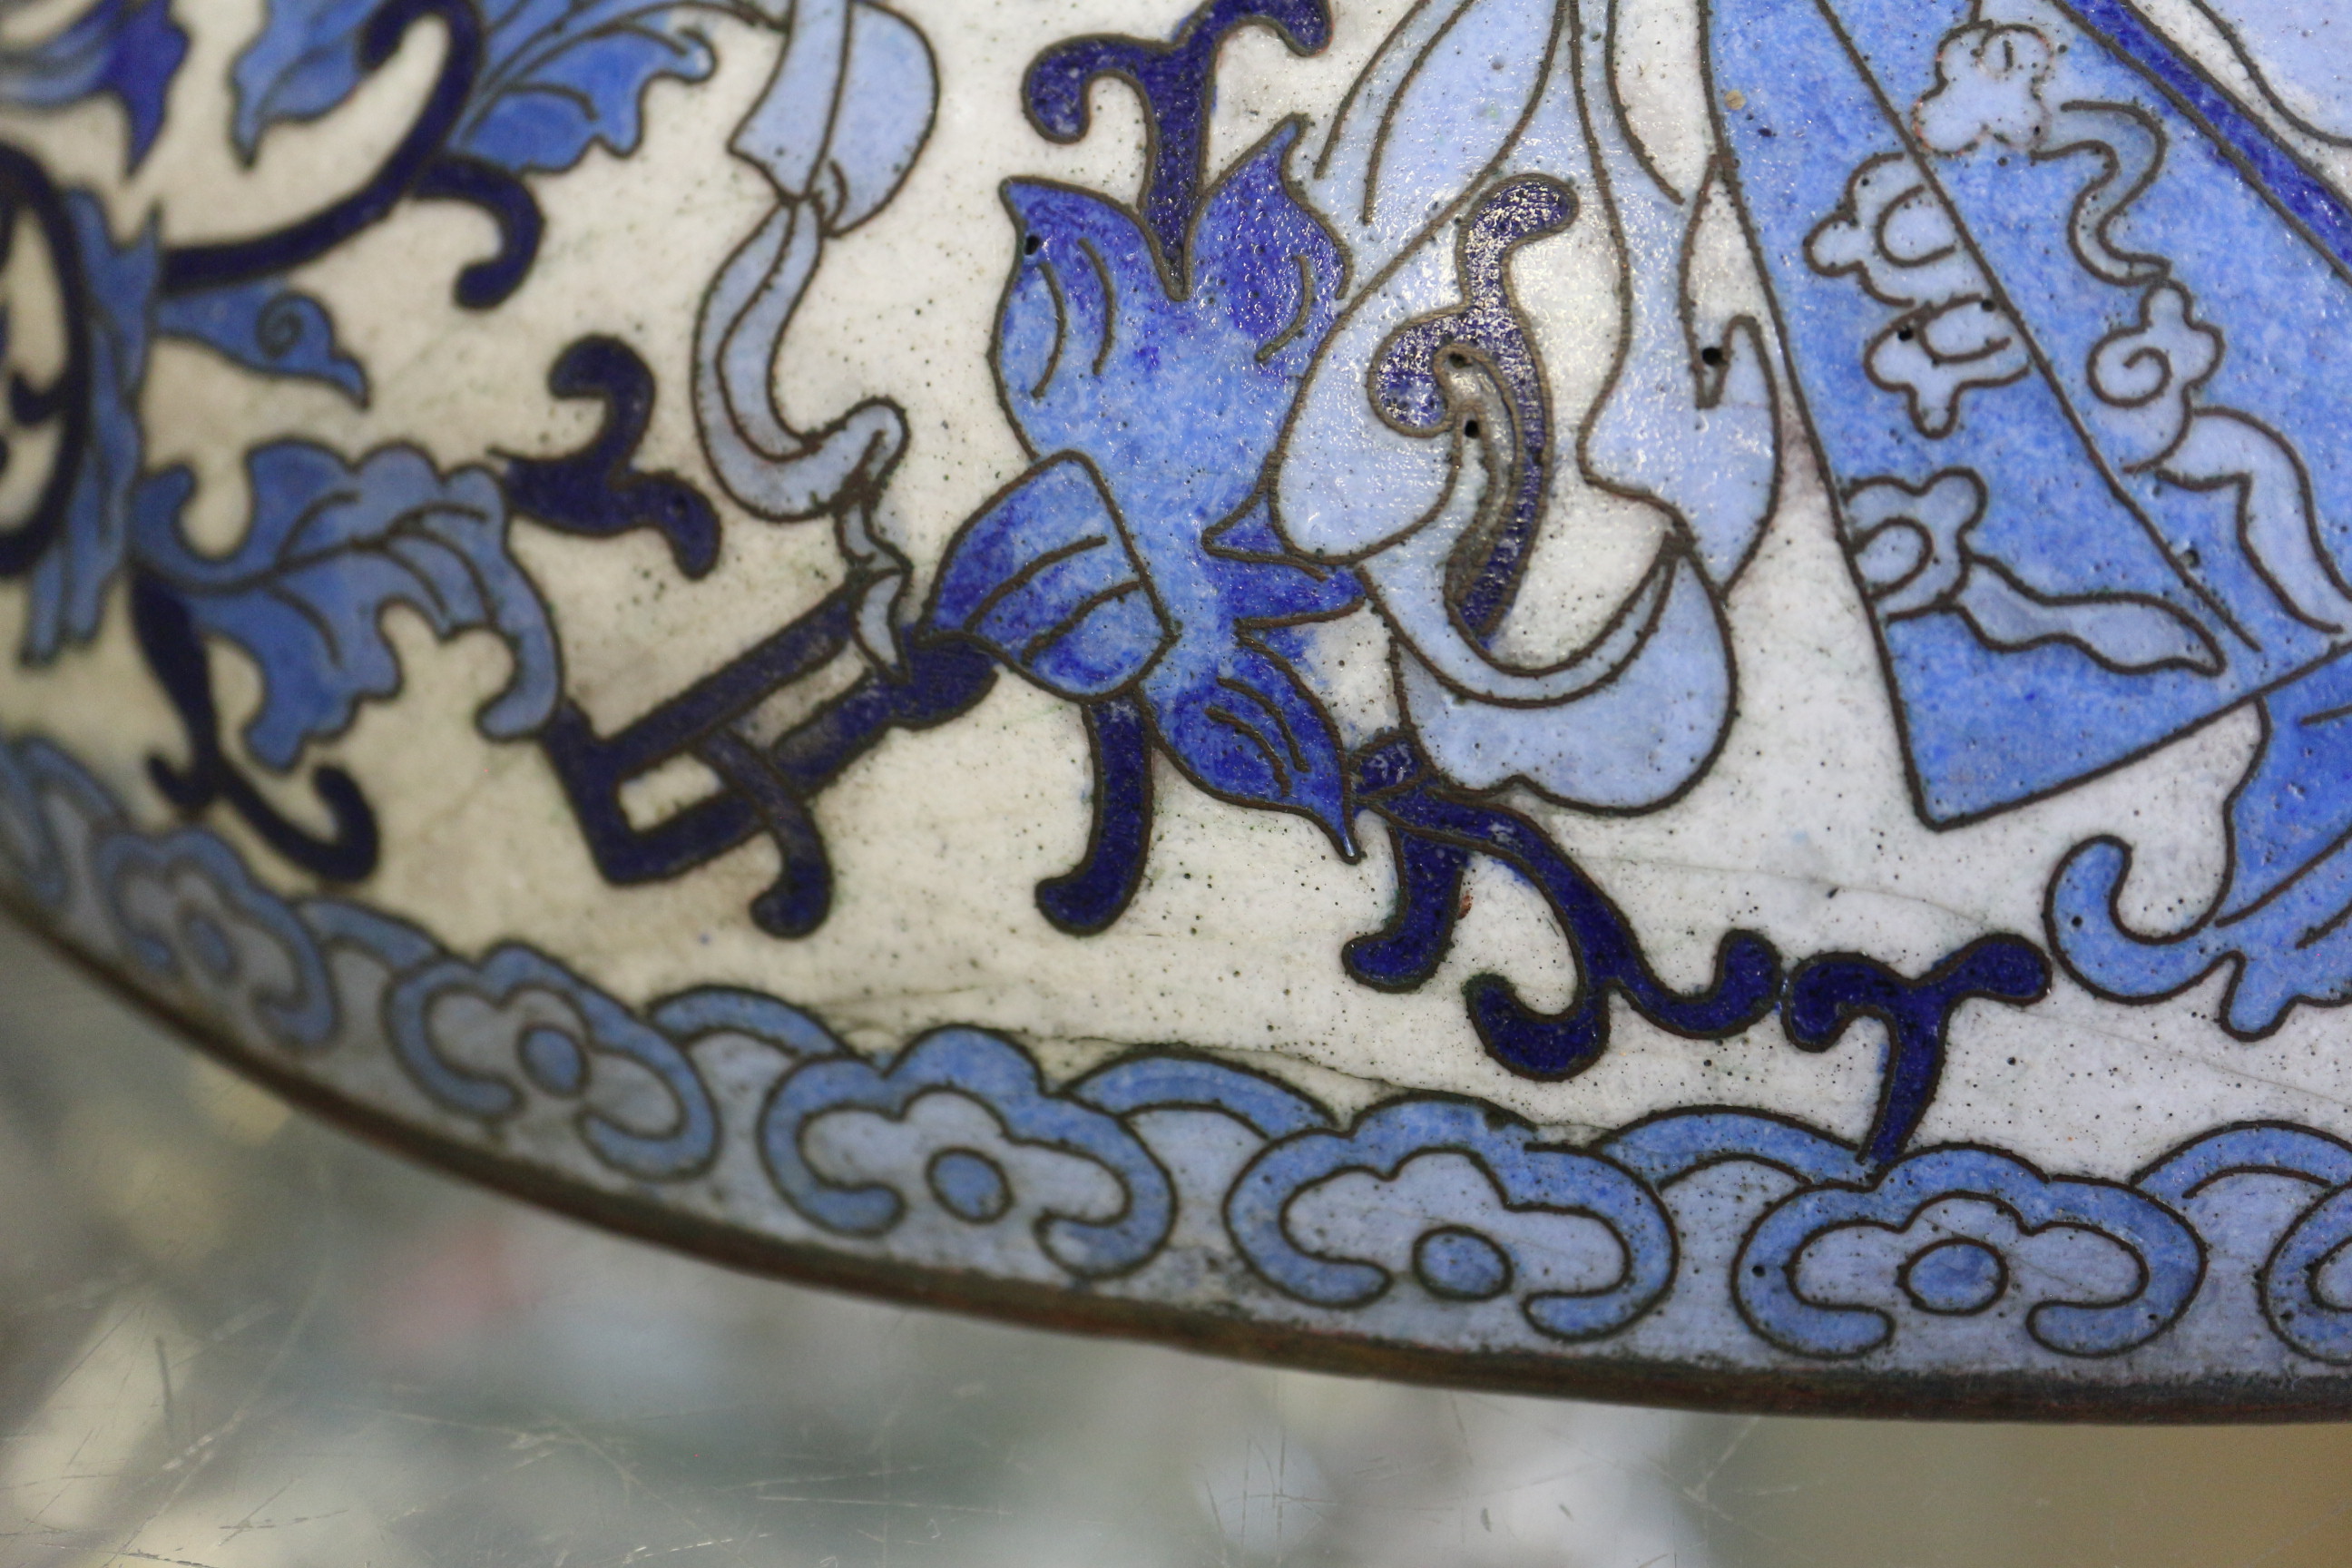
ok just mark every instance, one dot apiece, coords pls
pixel 331 548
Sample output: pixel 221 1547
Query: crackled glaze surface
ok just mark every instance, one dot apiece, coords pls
pixel 1642 697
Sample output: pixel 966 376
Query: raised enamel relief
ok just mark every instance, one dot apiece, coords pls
pixel 1650 699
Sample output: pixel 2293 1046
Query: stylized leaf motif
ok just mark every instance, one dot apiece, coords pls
pixel 331 547
pixel 1176 82
pixel 1044 579
pixel 557 76
pixel 1174 397
pixel 303 63
pixel 265 326
pixel 1240 720
pixel 131 48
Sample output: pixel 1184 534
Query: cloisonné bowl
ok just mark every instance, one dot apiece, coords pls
pixel 1632 697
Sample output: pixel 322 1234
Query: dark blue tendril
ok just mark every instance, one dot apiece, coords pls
pixel 1747 981
pixel 1486 334
pixel 501 194
pixel 1090 897
pixel 1177 81
pixel 174 651
pixel 1437 833
pixel 1828 992
pixel 595 492
pixel 26 188
pixel 1406 952
pixel 418 165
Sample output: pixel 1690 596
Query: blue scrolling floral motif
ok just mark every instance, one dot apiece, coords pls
pixel 1163 365
pixel 1194 381
pixel 2032 271
pixel 268 328
pixel 525 85
pixel 522 85
pixel 329 546
pixel 332 543
pixel 556 77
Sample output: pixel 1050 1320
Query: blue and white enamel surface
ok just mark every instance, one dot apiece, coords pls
pixel 1558 691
